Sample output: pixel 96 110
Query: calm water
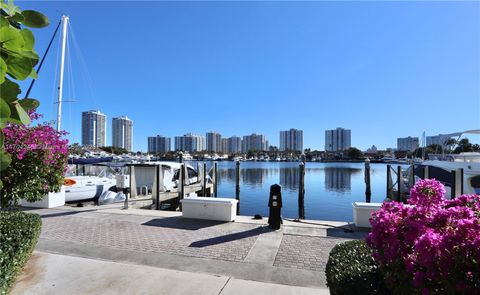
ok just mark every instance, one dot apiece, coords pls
pixel 330 188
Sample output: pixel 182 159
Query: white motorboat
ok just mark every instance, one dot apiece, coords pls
pixel 441 167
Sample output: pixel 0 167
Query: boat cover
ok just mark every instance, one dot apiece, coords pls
pixel 89 160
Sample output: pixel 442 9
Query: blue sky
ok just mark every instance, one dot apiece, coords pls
pixel 382 69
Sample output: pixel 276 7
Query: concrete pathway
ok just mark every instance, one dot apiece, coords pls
pixel 60 274
pixel 152 251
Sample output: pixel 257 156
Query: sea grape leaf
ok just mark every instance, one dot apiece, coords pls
pixel 29 103
pixel 19 67
pixel 28 38
pixel 11 38
pixel 3 70
pixel 18 114
pixel 4 110
pixel 9 90
pixel 35 19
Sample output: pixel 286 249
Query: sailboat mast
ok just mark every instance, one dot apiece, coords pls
pixel 62 65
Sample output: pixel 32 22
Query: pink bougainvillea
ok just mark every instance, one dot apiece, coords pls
pixel 430 245
pixel 39 158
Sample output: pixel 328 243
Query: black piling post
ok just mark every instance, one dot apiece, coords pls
pixel 389 181
pixel 215 193
pixel 368 190
pixel 157 192
pixel 301 192
pixel 237 185
pixel 399 183
pixel 204 180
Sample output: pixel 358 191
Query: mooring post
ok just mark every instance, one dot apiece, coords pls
pixel 180 158
pixel 301 191
pixel 457 183
pixel 215 181
pixel 198 173
pixel 131 172
pixel 182 183
pixel 389 181
pixel 368 191
pixel 204 179
pixel 453 187
pixel 237 185
pixel 399 183
pixel 425 172
pixel 157 189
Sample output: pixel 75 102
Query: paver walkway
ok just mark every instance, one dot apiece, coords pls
pixel 246 249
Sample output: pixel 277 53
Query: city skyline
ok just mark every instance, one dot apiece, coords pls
pixel 314 65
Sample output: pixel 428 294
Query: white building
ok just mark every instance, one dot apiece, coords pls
pixel 122 133
pixel 257 142
pixel 235 144
pixel 291 140
pixel 337 140
pixel 407 143
pixel 214 142
pixel 440 139
pixel 94 128
pixel 190 143
pixel 159 144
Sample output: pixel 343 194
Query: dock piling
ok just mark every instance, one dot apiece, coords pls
pixel 399 183
pixel 204 174
pixel 301 192
pixel 237 185
pixel 215 178
pixel 368 190
pixel 157 188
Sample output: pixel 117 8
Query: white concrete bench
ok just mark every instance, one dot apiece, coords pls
pixel 221 209
pixel 362 212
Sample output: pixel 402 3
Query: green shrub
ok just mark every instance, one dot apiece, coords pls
pixel 352 270
pixel 19 233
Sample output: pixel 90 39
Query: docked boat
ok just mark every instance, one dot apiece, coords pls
pixel 440 167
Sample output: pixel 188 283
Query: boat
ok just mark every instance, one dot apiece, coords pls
pixel 144 177
pixel 440 167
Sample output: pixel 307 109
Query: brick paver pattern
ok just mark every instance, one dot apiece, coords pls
pixel 305 252
pixel 157 235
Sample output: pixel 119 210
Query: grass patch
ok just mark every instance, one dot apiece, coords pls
pixel 19 232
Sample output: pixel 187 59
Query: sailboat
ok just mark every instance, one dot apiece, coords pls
pixel 77 187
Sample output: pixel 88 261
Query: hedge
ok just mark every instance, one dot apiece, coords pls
pixel 19 233
pixel 351 270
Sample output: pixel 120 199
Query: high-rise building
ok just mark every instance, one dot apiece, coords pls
pixel 224 144
pixel 234 144
pixel 158 144
pixel 214 142
pixel 190 143
pixel 337 140
pixel 256 142
pixel 407 143
pixel 440 139
pixel 122 133
pixel 94 128
pixel 291 140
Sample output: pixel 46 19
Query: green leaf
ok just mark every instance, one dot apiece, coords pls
pixel 5 160
pixel 19 67
pixel 3 22
pixel 28 38
pixel 4 110
pixel 3 70
pixel 9 90
pixel 18 114
pixel 29 103
pixel 18 17
pixel 35 19
pixel 11 38
pixel 33 74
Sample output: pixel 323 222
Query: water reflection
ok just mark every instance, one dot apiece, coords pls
pixel 289 178
pixel 339 179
